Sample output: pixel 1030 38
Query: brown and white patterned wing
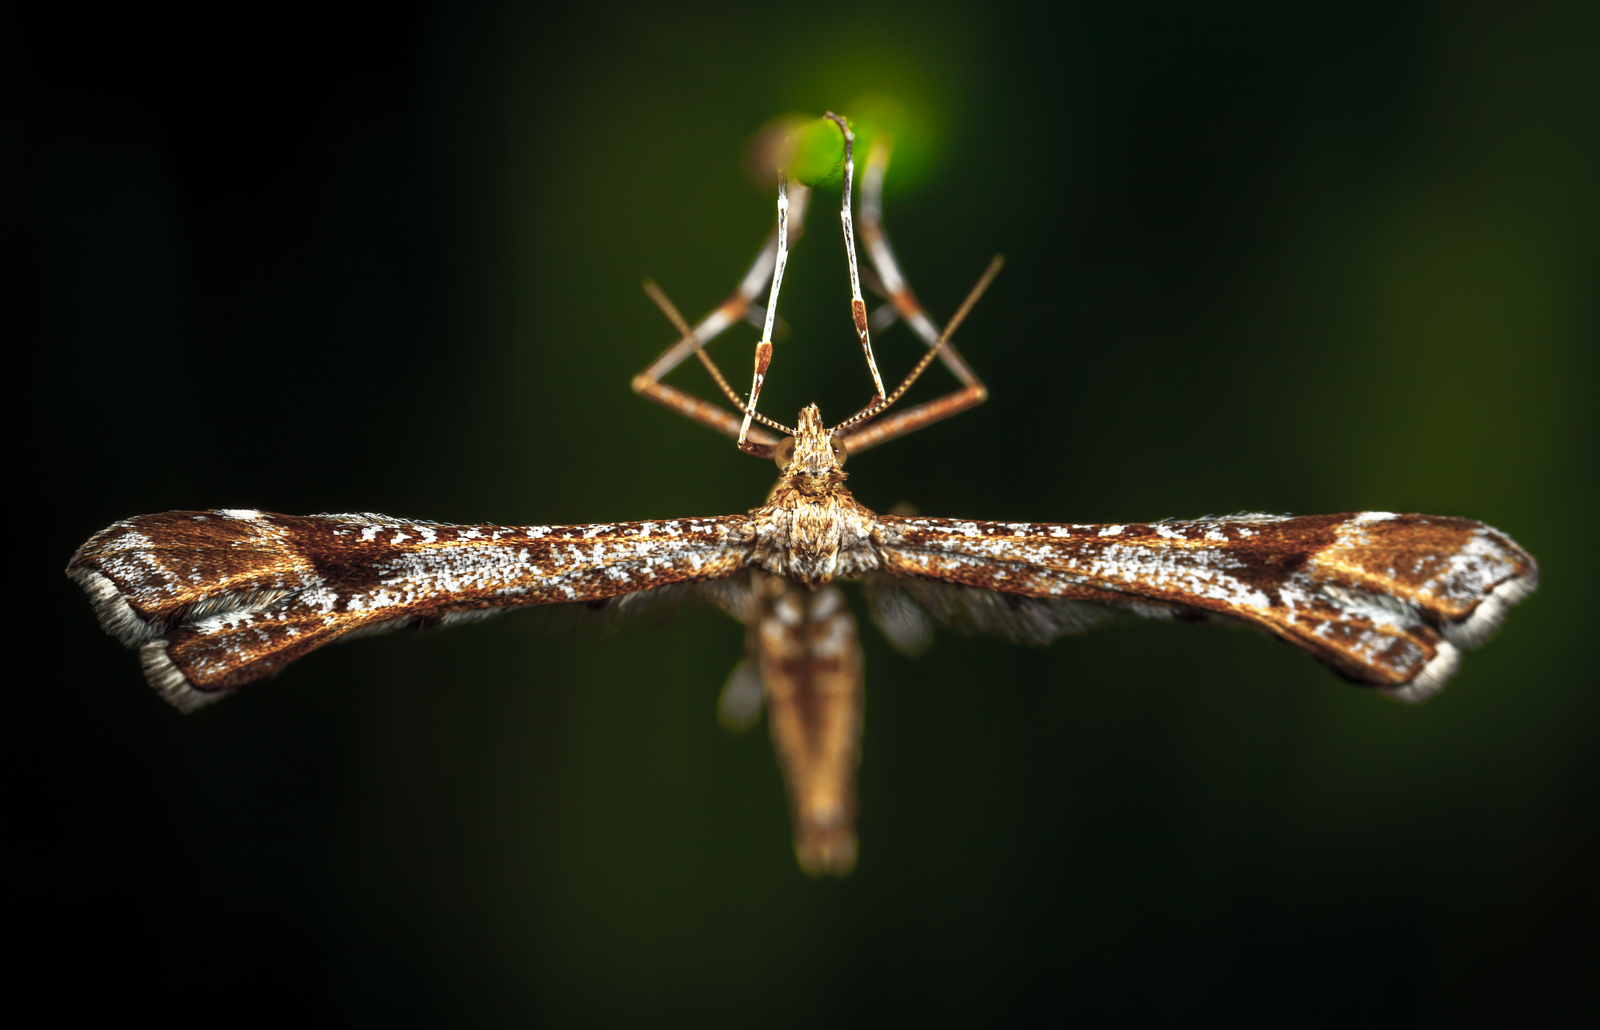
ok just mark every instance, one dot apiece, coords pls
pixel 1386 600
pixel 214 600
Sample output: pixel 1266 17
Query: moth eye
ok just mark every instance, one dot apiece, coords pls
pixel 839 451
pixel 784 453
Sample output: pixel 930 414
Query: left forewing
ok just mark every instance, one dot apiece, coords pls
pixel 214 600
pixel 1382 599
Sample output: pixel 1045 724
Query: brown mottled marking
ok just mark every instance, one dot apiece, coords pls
pixel 858 312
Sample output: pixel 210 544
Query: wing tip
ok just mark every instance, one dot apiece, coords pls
pixel 1430 679
pixel 117 617
pixel 1485 620
pixel 1465 634
pixel 120 620
pixel 169 681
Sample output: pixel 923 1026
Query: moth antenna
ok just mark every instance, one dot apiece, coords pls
pixel 858 306
pixel 764 348
pixel 737 306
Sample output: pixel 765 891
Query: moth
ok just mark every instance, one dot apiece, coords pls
pixel 216 600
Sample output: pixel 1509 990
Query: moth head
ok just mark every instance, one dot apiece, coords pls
pixel 813 451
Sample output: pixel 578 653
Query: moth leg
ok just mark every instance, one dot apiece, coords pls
pixel 687 404
pixel 743 696
pixel 933 410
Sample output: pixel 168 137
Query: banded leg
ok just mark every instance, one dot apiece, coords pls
pixel 933 410
pixel 737 307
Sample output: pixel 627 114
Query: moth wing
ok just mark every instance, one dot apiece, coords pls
pixel 1382 599
pixel 215 600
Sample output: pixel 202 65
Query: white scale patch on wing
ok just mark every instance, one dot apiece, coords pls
pixel 1199 571
pixel 132 558
pixel 1482 568
pixel 1202 571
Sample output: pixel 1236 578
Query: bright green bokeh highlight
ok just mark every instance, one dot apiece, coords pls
pixel 818 152
pixel 811 149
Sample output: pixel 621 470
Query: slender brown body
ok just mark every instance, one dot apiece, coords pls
pixel 809 661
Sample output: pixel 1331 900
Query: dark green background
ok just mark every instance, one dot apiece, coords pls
pixel 1260 256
